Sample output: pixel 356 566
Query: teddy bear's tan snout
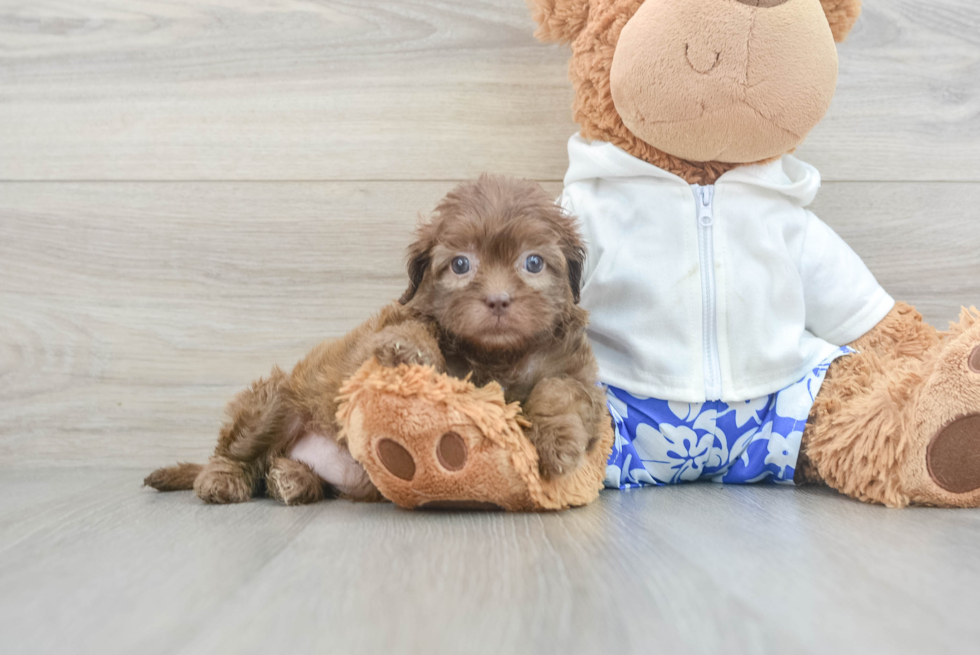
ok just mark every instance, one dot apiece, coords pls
pixel 735 81
pixel 704 57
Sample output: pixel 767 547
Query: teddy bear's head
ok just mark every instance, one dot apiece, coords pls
pixel 700 86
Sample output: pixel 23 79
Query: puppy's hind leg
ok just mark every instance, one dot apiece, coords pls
pixel 257 424
pixel 224 480
pixel 293 483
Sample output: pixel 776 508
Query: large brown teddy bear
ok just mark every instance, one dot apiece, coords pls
pixel 713 94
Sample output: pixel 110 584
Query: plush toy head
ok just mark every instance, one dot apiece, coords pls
pixel 698 87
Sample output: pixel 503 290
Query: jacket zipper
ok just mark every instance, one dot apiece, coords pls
pixel 704 197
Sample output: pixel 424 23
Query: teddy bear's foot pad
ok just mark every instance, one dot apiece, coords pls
pixel 451 453
pixel 948 414
pixel 974 363
pixel 396 459
pixel 953 456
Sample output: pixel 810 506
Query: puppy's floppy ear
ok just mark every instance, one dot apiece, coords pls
pixel 576 262
pixel 559 21
pixel 573 248
pixel 841 14
pixel 419 259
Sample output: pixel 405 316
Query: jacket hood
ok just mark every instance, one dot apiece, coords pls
pixel 787 175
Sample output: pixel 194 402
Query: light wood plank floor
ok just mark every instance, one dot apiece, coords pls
pixel 194 190
pixel 92 563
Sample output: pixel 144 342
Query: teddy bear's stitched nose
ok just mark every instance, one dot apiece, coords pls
pixel 763 4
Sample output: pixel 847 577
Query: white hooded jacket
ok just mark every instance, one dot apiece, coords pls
pixel 727 292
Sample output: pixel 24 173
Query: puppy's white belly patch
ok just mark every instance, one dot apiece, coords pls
pixel 332 462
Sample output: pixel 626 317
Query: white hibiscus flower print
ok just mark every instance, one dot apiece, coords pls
pixel 684 411
pixel 794 400
pixel 740 449
pixel 783 451
pixel 716 440
pixel 617 406
pixel 613 476
pixel 747 410
pixel 672 453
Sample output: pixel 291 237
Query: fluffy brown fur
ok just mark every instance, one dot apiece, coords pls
pixel 497 321
pixel 854 439
pixel 879 410
pixel 593 29
pixel 841 14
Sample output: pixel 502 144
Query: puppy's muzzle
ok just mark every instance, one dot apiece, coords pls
pixel 498 303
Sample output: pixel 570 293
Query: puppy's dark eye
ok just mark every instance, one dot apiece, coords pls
pixel 534 264
pixel 461 265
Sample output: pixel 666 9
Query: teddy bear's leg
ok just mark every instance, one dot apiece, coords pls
pixel 292 482
pixel 899 423
pixel 944 466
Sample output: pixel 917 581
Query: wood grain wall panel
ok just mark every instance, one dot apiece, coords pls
pixel 409 89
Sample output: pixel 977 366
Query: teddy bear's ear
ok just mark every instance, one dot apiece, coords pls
pixel 559 21
pixel 841 14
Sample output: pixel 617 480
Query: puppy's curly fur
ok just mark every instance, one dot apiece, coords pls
pixel 493 293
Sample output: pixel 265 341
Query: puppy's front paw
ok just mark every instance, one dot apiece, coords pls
pixel 561 442
pixel 395 351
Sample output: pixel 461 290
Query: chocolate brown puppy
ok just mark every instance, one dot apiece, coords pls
pixel 493 293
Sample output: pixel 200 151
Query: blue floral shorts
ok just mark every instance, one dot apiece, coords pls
pixel 666 442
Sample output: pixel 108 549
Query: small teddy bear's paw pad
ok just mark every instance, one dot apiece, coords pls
pixel 452 452
pixel 396 459
pixel 953 455
pixel 974 362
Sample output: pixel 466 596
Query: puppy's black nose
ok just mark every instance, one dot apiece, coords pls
pixel 498 303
